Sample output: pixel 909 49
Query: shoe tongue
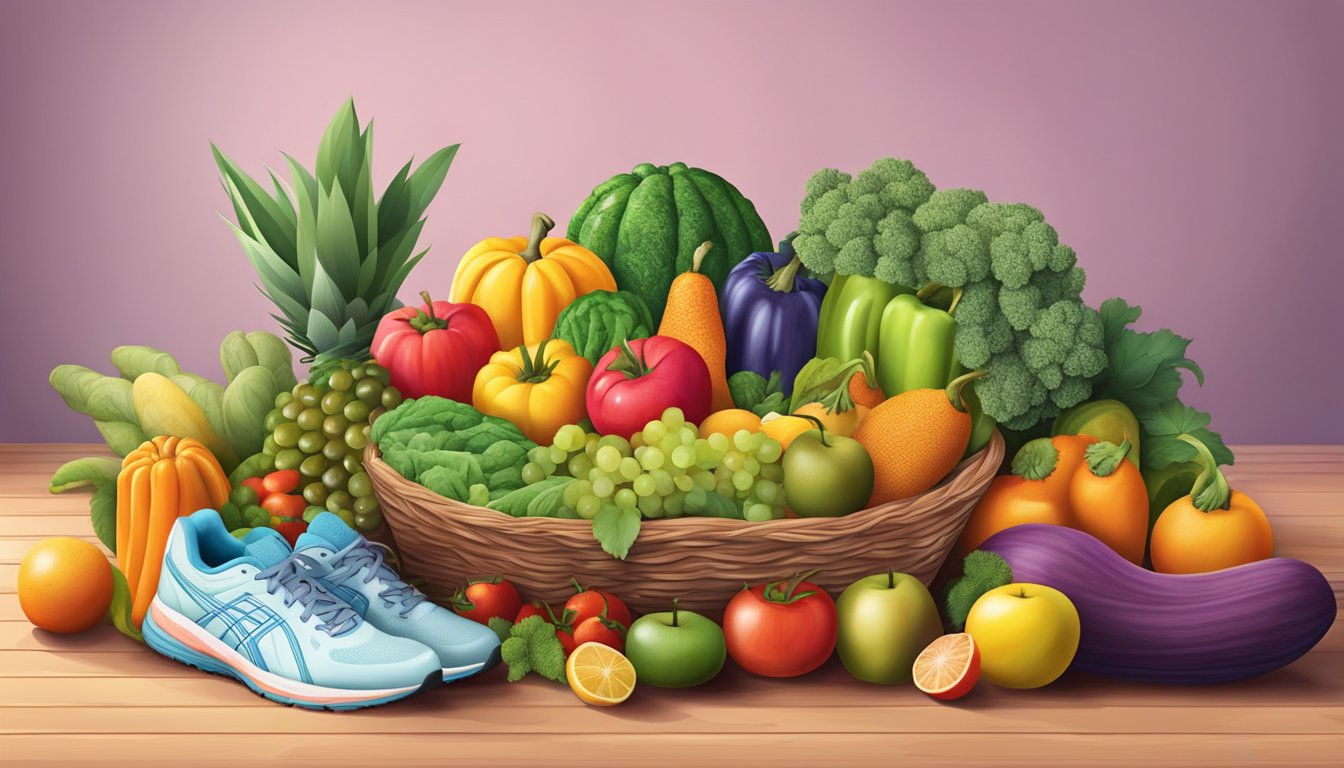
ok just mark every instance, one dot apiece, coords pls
pixel 266 546
pixel 326 530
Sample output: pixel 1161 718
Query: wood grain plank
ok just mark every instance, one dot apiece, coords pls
pixel 661 748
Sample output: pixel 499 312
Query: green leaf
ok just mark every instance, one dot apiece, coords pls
pixel 260 215
pixel 91 471
pixel 338 250
pixel 109 398
pixel 135 360
pixel 501 627
pixel 281 283
pixel 813 379
pixel 542 499
pixel 236 354
pixel 122 437
pixel 1116 316
pixel 274 355
pixel 1163 426
pixel 72 383
pixel 424 183
pixel 342 132
pixel 616 529
pixel 103 515
pixel 120 609
pixel 242 408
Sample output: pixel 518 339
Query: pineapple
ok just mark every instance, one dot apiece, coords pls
pixel 331 259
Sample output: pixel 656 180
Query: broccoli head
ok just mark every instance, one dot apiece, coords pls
pixel 1020 315
pixel 863 225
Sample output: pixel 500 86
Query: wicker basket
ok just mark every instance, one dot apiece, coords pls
pixel 702 561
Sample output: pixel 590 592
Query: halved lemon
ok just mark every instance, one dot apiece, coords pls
pixel 948 668
pixel 600 675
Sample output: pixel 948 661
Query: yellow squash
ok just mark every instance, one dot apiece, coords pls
pixel 163 479
pixel 540 388
pixel 163 408
pixel 524 282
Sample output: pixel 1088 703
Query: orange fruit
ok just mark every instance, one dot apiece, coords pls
pixel 948 668
pixel 65 585
pixel 862 394
pixel 914 439
pixel 785 428
pixel 728 421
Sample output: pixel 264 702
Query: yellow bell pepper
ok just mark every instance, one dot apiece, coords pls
pixel 539 388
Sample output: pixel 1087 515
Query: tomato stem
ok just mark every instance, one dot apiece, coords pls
pixel 426 321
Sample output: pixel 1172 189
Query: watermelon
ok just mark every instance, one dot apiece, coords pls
pixel 646 225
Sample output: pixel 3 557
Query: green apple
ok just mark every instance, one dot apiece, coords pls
pixel 885 620
pixel 826 475
pixel 1027 634
pixel 675 649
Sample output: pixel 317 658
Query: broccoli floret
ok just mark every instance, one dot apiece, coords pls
pixel 981 572
pixel 862 226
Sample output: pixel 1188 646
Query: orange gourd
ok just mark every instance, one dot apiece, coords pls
pixel 163 479
pixel 1109 500
pixel 524 282
pixel 692 317
pixel 1212 528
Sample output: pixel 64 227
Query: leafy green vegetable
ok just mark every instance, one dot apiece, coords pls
pixel 450 448
pixel 132 361
pixel 541 499
pixel 753 392
pixel 597 322
pixel 616 529
pixel 981 572
pixel 120 609
pixel 533 647
pixel 1144 373
pixel 100 474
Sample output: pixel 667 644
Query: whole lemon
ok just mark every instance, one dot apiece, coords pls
pixel 65 585
pixel 1027 634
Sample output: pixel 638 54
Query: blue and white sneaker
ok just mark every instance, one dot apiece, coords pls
pixel 352 568
pixel 248 609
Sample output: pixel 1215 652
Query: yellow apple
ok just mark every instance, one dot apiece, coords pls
pixel 1027 634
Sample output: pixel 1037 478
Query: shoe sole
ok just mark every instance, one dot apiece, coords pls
pixel 454 674
pixel 175 636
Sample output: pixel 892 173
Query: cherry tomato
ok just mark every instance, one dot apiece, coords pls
pixel 781 629
pixel 482 601
pixel 284 506
pixel 587 603
pixel 566 639
pixel 291 531
pixel 281 481
pixel 595 629
pixel 534 608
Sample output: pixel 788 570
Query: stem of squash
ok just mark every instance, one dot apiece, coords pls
pixel 699 256
pixel 954 388
pixel 1211 490
pixel 541 226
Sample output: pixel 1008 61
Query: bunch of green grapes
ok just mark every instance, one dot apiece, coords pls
pixel 660 467
pixel 321 430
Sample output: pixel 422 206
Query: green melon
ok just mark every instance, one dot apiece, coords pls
pixel 646 225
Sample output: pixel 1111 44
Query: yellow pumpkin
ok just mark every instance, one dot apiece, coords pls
pixel 540 389
pixel 524 282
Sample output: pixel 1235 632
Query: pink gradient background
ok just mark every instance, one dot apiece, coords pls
pixel 1190 151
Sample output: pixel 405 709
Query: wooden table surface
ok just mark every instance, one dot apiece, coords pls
pixel 101 697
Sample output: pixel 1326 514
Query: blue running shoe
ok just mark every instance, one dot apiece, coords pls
pixel 352 568
pixel 248 609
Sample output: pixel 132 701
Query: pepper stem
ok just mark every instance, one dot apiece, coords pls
pixel 784 278
pixel 699 256
pixel 534 368
pixel 1103 457
pixel 541 226
pixel 1210 490
pixel 1036 460
pixel 956 385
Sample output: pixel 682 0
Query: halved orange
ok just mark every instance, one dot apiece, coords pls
pixel 600 675
pixel 948 668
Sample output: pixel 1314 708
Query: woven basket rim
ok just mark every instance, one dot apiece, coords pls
pixel 656 529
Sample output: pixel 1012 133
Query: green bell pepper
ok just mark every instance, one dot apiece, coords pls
pixel 851 316
pixel 915 350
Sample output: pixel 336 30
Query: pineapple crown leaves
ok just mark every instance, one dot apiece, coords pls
pixel 328 255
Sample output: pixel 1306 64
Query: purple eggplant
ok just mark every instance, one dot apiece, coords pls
pixel 1176 629
pixel 770 315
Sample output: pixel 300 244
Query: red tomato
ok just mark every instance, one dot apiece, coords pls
pixel 597 630
pixel 780 629
pixel 632 385
pixel 281 481
pixel 284 506
pixel 566 639
pixel 482 601
pixel 257 485
pixel 291 531
pixel 435 349
pixel 534 608
pixel 587 603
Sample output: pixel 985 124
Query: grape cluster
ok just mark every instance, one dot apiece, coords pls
pixel 321 430
pixel 664 470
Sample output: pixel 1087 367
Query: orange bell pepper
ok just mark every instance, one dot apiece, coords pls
pixel 1036 492
pixel 1212 528
pixel 1109 499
